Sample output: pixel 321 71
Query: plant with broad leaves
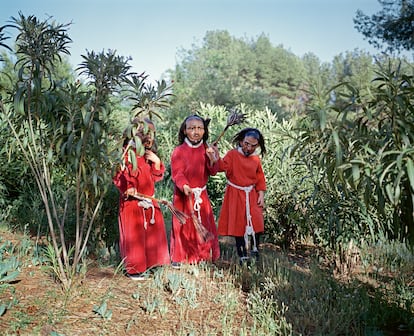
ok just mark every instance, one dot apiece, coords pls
pixel 148 100
pixel 363 152
pixel 62 129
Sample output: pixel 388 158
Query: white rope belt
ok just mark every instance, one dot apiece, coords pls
pixel 249 225
pixel 145 204
pixel 198 200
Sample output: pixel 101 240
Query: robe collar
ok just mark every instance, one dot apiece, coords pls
pixel 191 145
pixel 239 149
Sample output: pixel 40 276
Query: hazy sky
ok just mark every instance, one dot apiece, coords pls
pixel 152 31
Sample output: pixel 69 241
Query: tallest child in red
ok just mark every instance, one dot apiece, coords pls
pixel 192 162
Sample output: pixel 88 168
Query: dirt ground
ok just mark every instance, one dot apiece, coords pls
pixel 41 307
pixel 106 302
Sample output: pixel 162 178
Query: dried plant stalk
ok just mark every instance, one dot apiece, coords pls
pixel 181 216
pixel 202 233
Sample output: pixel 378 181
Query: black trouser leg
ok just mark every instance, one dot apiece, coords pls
pixel 256 253
pixel 241 247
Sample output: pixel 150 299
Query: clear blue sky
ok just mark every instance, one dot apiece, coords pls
pixel 152 31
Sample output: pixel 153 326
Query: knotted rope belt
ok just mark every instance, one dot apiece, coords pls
pixel 198 200
pixel 145 204
pixel 249 225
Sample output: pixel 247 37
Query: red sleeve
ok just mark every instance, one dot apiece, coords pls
pixel 178 164
pixel 212 169
pixel 125 180
pixel 261 180
pixel 158 174
pixel 224 164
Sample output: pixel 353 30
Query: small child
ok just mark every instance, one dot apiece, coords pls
pixel 241 214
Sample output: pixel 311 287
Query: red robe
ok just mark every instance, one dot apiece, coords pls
pixel 141 248
pixel 190 165
pixel 242 171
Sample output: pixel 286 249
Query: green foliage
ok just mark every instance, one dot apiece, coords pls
pixel 355 68
pixel 388 256
pixel 286 188
pixel 147 100
pixel 12 182
pixel 392 303
pixel 226 71
pixel 39 43
pixel 359 157
pixel 103 311
pixel 9 271
pixel 62 131
pixel 106 233
pixel 381 158
pixel 51 257
pixel 9 267
pixel 269 315
pixel 391 26
pixel 3 38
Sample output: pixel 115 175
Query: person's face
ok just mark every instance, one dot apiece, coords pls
pixel 249 145
pixel 148 141
pixel 194 130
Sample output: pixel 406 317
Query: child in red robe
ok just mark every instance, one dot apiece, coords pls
pixel 241 214
pixel 143 239
pixel 192 162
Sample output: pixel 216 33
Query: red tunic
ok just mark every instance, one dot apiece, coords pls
pixel 191 166
pixel 141 248
pixel 242 171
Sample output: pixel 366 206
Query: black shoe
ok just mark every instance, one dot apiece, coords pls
pixel 255 254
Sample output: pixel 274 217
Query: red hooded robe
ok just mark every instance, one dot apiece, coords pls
pixel 142 244
pixel 242 171
pixel 190 165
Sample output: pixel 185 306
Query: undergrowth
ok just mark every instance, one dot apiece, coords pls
pixel 287 292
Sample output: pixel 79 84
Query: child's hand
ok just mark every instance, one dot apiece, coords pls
pixel 213 154
pixel 152 157
pixel 130 192
pixel 187 190
pixel 260 198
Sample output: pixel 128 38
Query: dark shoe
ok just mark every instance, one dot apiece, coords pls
pixel 176 265
pixel 255 254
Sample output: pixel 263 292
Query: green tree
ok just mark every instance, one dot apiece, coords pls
pixel 356 69
pixel 391 28
pixel 15 187
pixel 61 130
pixel 226 71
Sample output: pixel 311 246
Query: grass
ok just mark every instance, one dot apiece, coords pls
pixel 286 293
